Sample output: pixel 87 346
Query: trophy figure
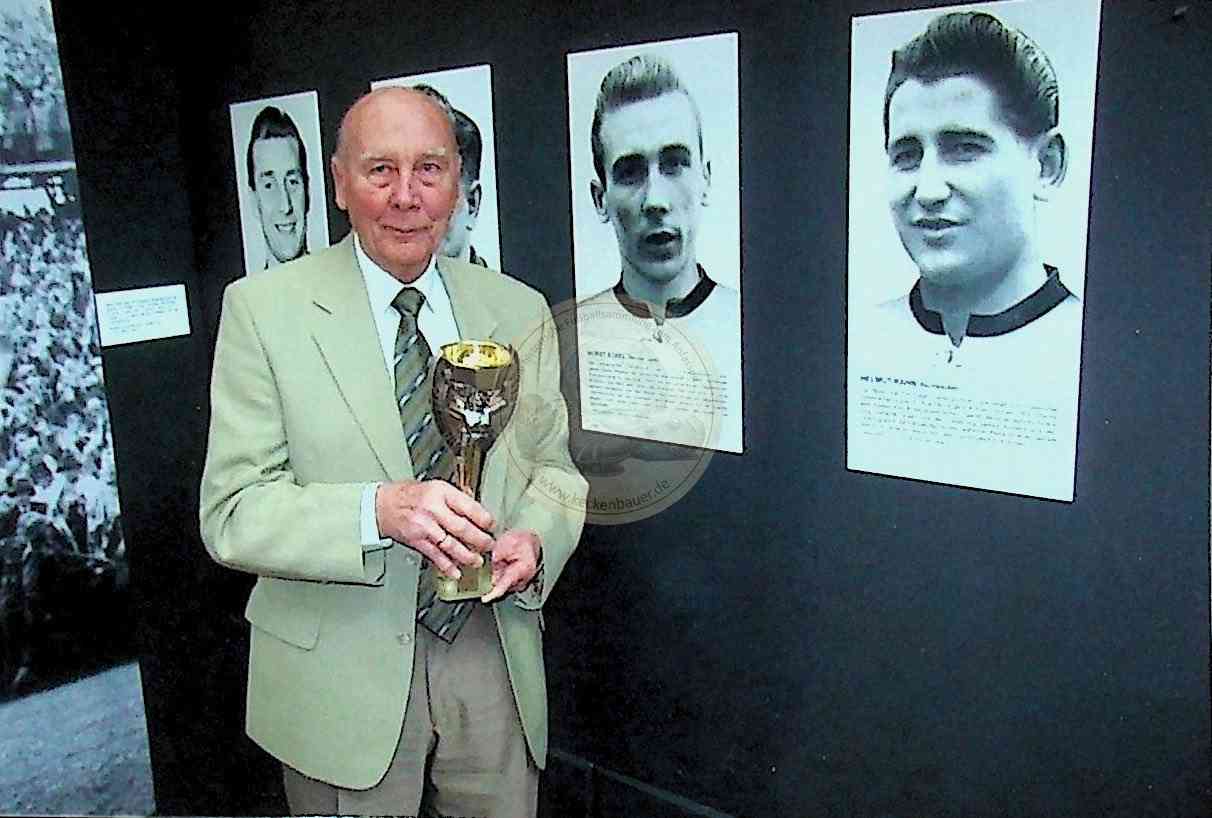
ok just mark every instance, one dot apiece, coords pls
pixel 475 390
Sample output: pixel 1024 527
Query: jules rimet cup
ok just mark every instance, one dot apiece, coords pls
pixel 475 390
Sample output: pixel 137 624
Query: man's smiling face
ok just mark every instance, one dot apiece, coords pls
pixel 396 173
pixel 962 183
pixel 278 187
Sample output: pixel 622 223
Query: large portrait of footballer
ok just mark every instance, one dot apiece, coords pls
pixel 474 233
pixel 970 145
pixel 655 180
pixel 279 178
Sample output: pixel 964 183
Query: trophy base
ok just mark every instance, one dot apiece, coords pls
pixel 474 583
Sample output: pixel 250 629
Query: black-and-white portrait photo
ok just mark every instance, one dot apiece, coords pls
pixel 474 233
pixel 655 177
pixel 971 138
pixel 65 598
pixel 280 178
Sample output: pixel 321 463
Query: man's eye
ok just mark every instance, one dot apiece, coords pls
pixel 629 171
pixel 673 162
pixel 966 150
pixel 673 167
pixel 904 158
pixel 379 174
pixel 295 181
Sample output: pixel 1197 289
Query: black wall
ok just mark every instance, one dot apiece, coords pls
pixel 791 638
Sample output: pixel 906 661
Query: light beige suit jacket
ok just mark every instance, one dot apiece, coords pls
pixel 302 417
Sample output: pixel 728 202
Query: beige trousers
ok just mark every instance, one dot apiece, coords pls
pixel 462 753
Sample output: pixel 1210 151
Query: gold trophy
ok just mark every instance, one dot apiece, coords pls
pixel 475 390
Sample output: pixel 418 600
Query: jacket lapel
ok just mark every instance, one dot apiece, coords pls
pixel 344 331
pixel 472 316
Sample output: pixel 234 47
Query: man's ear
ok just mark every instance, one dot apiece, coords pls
pixel 1053 158
pixel 599 196
pixel 338 181
pixel 704 200
pixel 475 195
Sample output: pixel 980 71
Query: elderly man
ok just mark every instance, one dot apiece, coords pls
pixel 324 477
pixel 277 177
pixel 973 146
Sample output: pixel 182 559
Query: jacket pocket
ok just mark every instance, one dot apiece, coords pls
pixel 287 609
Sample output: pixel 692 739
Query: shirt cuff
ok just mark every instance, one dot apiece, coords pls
pixel 371 541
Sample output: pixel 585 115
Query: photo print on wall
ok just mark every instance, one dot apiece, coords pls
pixel 280 171
pixel 655 179
pixel 970 154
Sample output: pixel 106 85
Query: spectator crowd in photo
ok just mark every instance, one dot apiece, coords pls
pixel 33 111
pixel 59 512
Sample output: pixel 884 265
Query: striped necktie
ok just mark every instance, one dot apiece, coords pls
pixel 431 457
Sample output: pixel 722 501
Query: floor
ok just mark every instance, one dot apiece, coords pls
pixel 77 749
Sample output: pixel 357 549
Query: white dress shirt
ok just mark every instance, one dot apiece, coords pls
pixel 435 320
pixel 436 323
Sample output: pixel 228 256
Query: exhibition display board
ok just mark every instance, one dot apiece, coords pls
pixel 792 634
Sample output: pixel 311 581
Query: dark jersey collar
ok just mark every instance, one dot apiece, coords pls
pixel 1034 306
pixel 677 307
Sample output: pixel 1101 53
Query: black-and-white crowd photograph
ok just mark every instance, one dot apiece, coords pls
pixel 280 172
pixel 971 134
pixel 67 672
pixel 655 179
pixel 474 233
pixel 33 112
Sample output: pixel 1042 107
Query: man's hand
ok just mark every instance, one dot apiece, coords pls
pixel 515 561
pixel 437 520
